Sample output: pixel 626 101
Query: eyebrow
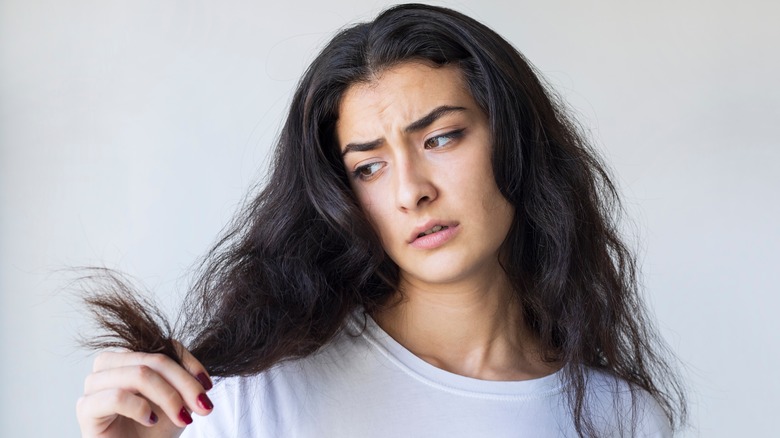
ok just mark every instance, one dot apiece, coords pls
pixel 415 126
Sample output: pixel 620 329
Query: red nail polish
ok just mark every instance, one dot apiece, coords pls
pixel 204 402
pixel 185 416
pixel 153 418
pixel 204 381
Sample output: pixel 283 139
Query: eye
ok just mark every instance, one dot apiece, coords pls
pixel 443 140
pixel 367 171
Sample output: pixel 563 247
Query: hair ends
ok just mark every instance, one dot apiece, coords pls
pixel 125 319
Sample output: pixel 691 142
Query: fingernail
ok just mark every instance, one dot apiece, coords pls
pixel 204 381
pixel 205 403
pixel 185 416
pixel 153 418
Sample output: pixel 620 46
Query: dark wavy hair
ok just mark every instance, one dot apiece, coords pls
pixel 302 255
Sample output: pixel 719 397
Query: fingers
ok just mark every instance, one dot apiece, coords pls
pixel 158 362
pixel 97 411
pixel 194 366
pixel 142 379
pixel 110 359
pixel 125 379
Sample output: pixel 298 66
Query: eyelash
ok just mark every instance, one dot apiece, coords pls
pixel 449 136
pixel 452 135
pixel 358 173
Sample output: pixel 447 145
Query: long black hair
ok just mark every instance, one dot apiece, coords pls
pixel 302 256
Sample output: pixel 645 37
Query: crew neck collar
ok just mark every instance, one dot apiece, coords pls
pixel 444 380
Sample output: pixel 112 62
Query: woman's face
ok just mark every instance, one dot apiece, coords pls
pixel 417 149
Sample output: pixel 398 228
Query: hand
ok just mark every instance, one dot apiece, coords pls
pixel 132 394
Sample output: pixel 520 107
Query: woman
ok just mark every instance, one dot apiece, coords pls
pixel 433 255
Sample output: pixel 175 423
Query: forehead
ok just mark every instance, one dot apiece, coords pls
pixel 400 95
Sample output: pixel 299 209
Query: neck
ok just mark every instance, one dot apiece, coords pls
pixel 475 330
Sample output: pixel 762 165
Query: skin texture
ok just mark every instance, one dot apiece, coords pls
pixel 420 177
pixel 414 164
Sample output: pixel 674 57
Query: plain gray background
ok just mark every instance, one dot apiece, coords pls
pixel 131 131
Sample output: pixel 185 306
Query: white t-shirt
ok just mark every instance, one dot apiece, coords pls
pixel 368 385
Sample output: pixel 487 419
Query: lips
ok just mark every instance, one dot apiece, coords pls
pixel 435 229
pixel 430 228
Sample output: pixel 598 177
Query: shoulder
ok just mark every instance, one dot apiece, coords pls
pixel 616 405
pixel 263 404
pixel 384 388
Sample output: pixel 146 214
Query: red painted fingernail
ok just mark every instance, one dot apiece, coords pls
pixel 205 403
pixel 153 418
pixel 185 416
pixel 204 381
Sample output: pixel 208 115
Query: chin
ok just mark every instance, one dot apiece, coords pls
pixel 439 273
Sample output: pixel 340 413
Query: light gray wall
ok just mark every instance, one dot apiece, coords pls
pixel 130 131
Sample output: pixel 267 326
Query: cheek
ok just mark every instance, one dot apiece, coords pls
pixel 375 209
pixel 366 200
pixel 473 179
pixel 477 183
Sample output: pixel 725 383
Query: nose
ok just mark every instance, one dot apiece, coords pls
pixel 414 187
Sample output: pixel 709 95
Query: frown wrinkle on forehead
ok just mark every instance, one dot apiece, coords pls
pixel 400 103
pixel 413 127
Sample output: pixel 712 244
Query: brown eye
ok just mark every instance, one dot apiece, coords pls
pixel 367 171
pixel 443 140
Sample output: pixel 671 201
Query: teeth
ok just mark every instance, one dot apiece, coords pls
pixel 432 230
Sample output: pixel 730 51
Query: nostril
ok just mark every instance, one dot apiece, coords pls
pixel 413 191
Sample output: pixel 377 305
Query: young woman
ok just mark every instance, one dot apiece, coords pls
pixel 435 254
